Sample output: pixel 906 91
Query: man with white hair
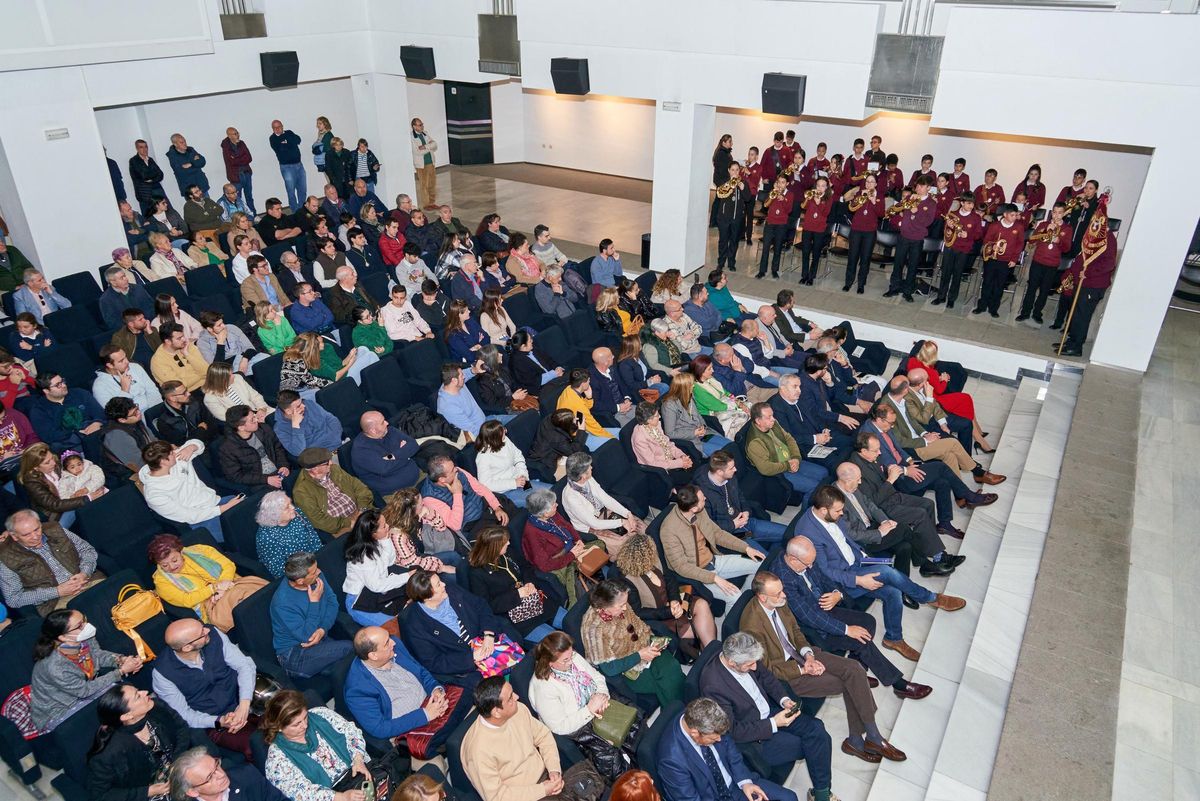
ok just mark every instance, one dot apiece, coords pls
pixel 347 294
pixel 36 296
pixel 781 351
pixel 198 774
pixel 736 377
pixel 686 330
pixel 554 297
pixel 758 353
pixel 607 397
pixel 764 716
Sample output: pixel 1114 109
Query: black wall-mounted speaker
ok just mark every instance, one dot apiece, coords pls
pixel 570 76
pixel 418 62
pixel 783 94
pixel 279 69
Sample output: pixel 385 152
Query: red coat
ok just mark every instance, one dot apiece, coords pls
pixel 961 183
pixel 392 250
pixel 545 550
pixel 1049 254
pixel 1013 238
pixel 914 225
pixel 237 159
pixel 1035 194
pixel 986 200
pixel 867 217
pixel 9 392
pixel 973 228
pixel 753 176
pixel 816 213
pixel 1068 192
pixel 959 404
pixel 780 208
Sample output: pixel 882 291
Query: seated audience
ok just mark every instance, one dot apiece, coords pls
pixel 37 297
pixel 762 713
pixel 611 318
pixel 668 286
pixel 523 264
pixel 346 295
pixel 304 609
pixel 659 348
pixel 720 296
pixel 692 545
pixel 492 273
pixel 28 338
pixel 466 285
pixel 261 286
pixel 374 586
pixel 634 375
pixel 411 271
pixel 685 330
pixel 558 436
pixel 62 416
pixel 421 233
pixel 42 477
pixel 276 228
pixel 576 397
pixel 122 378
pixel 737 378
pixel 456 403
pixel 653 448
pixel 757 354
pixel 219 342
pixel 167 310
pixel 120 295
pixel 209 683
pixel 545 249
pixel 283 530
pixel 554 297
pixel 184 416
pixel 774 452
pixel 463 334
pixel 551 543
pixel 492 236
pixel 302 424
pixel 459 498
pixel 368 333
pixel 592 510
pixel 199 578
pixel 808 433
pixel 16 381
pixel 382 456
pixel 702 312
pixel 70 668
pixel 713 399
pixel 682 418
pixel 633 302
pixel 531 368
pixel 507 752
pixel 197 774
pixel 224 389
pixel 494 320
pixel 496 386
pixel 330 498
pixel 17 436
pixel 728 507
pixel 959 404
pixel 607 397
pixel 137 338
pixel 174 490
pixel 419 536
pixel 654 595
pixel 204 250
pixel 500 465
pixel 401 320
pixel 309 750
pixel 697 762
pixel 136 269
pixel 177 359
pixel 616 641
pixel 508 583
pixel 43 565
pixel 166 259
pixel 135 745
pixel 309 312
pixel 250 453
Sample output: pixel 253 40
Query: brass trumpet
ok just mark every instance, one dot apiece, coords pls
pixel 771 196
pixel 908 204
pixel 994 250
pixel 859 200
pixel 1049 235
pixel 953 230
pixel 726 189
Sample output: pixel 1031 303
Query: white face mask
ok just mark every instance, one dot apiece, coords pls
pixel 86 633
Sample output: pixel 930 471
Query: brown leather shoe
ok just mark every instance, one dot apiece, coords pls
pixel 872 682
pixel 990 478
pixel 983 499
pixel 948 603
pixel 914 691
pixel 865 756
pixel 885 750
pixel 904 649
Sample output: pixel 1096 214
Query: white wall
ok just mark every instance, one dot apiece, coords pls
pixel 613 135
pixel 203 120
pixel 508 122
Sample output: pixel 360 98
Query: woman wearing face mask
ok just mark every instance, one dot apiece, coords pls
pixel 70 669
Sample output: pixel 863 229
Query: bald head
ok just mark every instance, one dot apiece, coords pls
pixel 750 328
pixel 723 352
pixel 898 386
pixel 801 548
pixel 917 377
pixel 673 308
pixel 183 633
pixel 373 424
pixel 767 314
pixel 602 358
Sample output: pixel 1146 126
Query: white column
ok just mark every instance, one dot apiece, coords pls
pixel 683 143
pixel 381 105
pixel 1156 244
pixel 43 178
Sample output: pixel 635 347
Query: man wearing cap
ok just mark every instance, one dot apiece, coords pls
pixel 331 497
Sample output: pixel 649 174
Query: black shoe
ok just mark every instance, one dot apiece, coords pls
pixel 891 293
pixel 1037 319
pixel 908 298
pixel 1056 326
pixel 1022 318
pixel 995 316
pixel 930 569
pixel 978 310
pixel 860 290
pixel 949 304
pixel 732 269
pixel 761 275
pixel 953 559
pixel 846 288
pixel 1068 351
pixel 938 301
pixel 775 276
pixel 910 603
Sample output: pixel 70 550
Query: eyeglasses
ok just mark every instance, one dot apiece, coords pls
pixel 82 623
pixel 210 776
pixel 204 635
pixel 57 383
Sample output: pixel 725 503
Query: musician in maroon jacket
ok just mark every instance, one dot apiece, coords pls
pixel 816 207
pixel 819 161
pixel 790 145
pixel 856 165
pixel 893 178
pixel 752 174
pixel 1024 211
pixel 989 194
pixel 865 208
pixel 838 182
pixel 913 223
pixel 926 169
pixel 776 232
pixel 944 194
pixel 959 234
pixel 961 181
pixel 1099 257
pixel 775 160
pixel 1002 247
pixel 1052 238
pixel 1035 190
pixel 797 184
pixel 1075 188
pixel 876 152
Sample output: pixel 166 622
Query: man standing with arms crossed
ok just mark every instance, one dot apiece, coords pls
pixel 286 144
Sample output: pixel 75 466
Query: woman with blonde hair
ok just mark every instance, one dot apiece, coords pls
pixel 274 330
pixel 421 787
pixel 241 224
pixel 406 516
pixel 681 416
pixel 959 404
pixel 302 363
pixel 224 389
pixel 654 595
pixel 669 286
pixel 166 259
pixel 612 318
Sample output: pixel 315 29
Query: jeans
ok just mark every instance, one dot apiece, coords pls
pixel 804 738
pixel 729 566
pixel 295 183
pixel 213 524
pixel 895 586
pixel 663 389
pixel 713 444
pixel 302 663
pixel 67 518
pixel 594 442
pixel 245 190
pixel 518 496
pixel 767 532
pixel 503 418
pixel 544 630
pixel 806 480
pixel 364 360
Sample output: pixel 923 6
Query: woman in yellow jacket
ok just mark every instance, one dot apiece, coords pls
pixel 577 398
pixel 198 577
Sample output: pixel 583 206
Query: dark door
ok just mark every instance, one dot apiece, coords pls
pixel 469 122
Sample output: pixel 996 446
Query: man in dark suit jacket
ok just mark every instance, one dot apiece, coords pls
pixel 198 774
pixel 347 294
pixel 467 284
pixel 764 719
pixel 695 763
pixel 607 397
pixel 827 623
pixel 241 462
pixel 841 559
pixel 293 271
pixel 804 429
pixel 816 403
pixel 726 505
pixel 918 512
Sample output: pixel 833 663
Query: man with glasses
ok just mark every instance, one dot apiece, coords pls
pixel 310 312
pixel 177 359
pixel 184 417
pixel 43 564
pixel 63 416
pixel 293 271
pixel 197 774
pixel 209 683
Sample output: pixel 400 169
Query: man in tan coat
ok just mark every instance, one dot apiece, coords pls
pixel 690 540
pixel 260 285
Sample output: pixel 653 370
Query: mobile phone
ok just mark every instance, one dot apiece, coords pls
pixel 795 710
pixel 660 643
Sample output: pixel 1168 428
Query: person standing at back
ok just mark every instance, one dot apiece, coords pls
pixel 423 148
pixel 286 144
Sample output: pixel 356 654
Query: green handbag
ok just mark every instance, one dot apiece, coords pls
pixel 616 724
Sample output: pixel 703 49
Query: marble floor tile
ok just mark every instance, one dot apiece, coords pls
pixel 973 733
pixel 945 651
pixel 1137 774
pixel 1145 719
pixel 1185 735
pixel 1187 784
pixel 944 788
pixel 998 636
pixel 889 787
pixel 1151 595
pixel 919 728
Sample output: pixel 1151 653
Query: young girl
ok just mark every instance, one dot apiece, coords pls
pixel 79 474
pixel 28 339
pixel 369 334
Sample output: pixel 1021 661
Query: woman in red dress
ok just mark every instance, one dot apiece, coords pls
pixel 957 403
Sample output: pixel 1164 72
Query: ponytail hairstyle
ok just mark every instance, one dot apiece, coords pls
pixel 54 625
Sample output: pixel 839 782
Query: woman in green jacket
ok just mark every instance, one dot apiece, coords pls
pixel 274 330
pixel 712 398
pixel 369 334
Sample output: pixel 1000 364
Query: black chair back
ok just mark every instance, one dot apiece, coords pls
pixel 97 603
pixel 647 749
pixel 72 324
pixel 691 683
pixel 69 360
pixel 80 288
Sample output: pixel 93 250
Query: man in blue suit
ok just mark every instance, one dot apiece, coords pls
pixel 841 559
pixel 696 764
pixel 379 691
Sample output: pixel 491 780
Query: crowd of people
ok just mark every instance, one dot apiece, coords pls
pixel 807 201
pixel 465 558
